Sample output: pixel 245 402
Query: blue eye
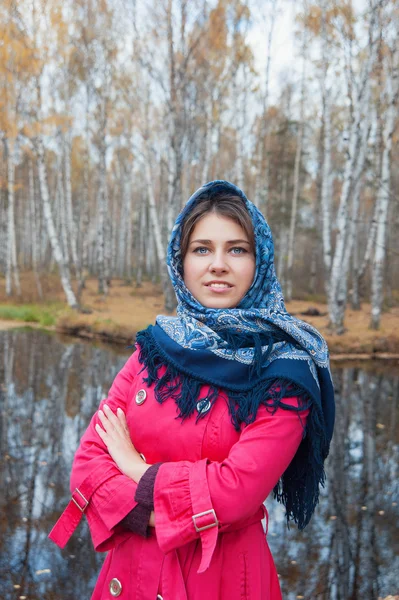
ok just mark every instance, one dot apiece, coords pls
pixel 201 250
pixel 238 250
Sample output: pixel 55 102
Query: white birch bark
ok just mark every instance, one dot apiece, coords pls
pixel 326 191
pixel 124 230
pixel 170 301
pixel 12 267
pixel 354 216
pixel 239 165
pixel 85 211
pixel 152 209
pixel 326 186
pixel 114 226
pixel 176 116
pixel 33 224
pixel 61 212
pixel 68 202
pixel 102 211
pixel 261 195
pixel 295 193
pixel 383 196
pixel 360 108
pixel 55 245
pixel 283 234
pixel 141 242
pixel 207 144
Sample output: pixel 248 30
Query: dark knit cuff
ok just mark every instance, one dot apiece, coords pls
pixel 145 489
pixel 137 520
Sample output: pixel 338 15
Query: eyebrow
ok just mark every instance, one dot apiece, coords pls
pixel 207 242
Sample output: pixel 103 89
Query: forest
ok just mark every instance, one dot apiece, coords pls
pixel 112 112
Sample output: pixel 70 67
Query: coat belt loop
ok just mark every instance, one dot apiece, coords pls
pixel 70 518
pixel 204 518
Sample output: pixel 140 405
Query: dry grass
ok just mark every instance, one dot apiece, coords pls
pixel 127 309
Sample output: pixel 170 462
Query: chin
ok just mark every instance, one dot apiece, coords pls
pixel 218 304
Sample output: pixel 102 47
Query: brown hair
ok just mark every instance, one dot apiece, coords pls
pixel 223 204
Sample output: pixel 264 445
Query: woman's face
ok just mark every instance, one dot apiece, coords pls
pixel 219 266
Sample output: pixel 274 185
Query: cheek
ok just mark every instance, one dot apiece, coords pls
pixel 189 272
pixel 249 272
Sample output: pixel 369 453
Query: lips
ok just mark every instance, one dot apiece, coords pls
pixel 219 284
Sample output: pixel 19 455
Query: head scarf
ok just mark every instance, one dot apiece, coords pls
pixel 256 352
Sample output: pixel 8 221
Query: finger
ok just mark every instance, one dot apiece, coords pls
pixel 110 415
pixel 105 422
pixel 114 420
pixel 122 420
pixel 102 434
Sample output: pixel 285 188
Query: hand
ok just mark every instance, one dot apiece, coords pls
pixel 115 435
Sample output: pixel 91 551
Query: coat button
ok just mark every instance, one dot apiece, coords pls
pixel 141 396
pixel 159 597
pixel 203 406
pixel 115 587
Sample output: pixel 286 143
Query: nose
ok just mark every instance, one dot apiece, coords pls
pixel 218 263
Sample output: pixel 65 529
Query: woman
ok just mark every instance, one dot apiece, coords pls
pixel 218 406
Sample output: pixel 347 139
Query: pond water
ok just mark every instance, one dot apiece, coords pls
pixel 49 389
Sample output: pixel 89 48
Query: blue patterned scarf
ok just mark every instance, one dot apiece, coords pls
pixel 257 353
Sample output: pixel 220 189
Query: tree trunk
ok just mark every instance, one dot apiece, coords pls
pixel 261 195
pixel 85 214
pixel 361 108
pixel 353 221
pixel 55 245
pixel 68 204
pixel 383 197
pixel 62 213
pixel 170 300
pixel 142 229
pixel 12 267
pixel 33 224
pixel 295 193
pixel 102 212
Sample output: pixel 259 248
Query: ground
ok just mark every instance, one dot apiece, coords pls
pixel 127 309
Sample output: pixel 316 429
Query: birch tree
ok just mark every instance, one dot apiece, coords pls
pixel 34 226
pixel 326 175
pixel 296 188
pixel 12 267
pixel 355 133
pixel 261 193
pixel 48 215
pixel 384 188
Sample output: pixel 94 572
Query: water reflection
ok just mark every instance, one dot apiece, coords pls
pixel 49 391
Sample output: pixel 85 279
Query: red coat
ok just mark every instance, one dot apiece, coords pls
pixel 207 466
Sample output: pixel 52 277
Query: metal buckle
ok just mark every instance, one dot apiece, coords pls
pixel 201 514
pixel 84 499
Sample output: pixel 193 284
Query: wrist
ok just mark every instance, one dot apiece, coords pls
pixel 138 470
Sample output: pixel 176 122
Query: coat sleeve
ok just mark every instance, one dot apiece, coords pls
pixel 114 498
pixel 234 489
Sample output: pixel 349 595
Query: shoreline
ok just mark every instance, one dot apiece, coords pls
pixel 85 332
pixel 114 319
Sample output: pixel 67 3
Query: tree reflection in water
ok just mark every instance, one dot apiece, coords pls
pixel 50 389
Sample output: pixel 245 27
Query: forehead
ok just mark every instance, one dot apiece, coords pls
pixel 217 227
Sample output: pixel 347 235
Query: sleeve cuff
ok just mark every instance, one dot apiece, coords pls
pixel 145 489
pixel 137 520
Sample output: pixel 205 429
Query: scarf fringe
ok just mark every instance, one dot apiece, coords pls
pixel 298 488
